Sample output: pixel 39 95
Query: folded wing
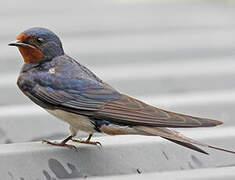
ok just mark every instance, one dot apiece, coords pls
pixel 94 98
pixel 128 110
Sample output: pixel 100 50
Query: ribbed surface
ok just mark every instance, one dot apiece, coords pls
pixel 176 55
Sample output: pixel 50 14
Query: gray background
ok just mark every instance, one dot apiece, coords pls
pixel 177 55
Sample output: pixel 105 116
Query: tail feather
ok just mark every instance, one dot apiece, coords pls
pixel 177 138
pixel 190 146
pixel 221 149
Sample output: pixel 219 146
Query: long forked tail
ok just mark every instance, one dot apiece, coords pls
pixel 177 138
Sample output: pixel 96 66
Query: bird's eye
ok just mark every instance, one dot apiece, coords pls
pixel 40 40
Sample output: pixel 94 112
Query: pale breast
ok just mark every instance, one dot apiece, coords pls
pixel 78 122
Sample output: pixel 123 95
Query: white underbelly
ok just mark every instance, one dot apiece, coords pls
pixel 77 122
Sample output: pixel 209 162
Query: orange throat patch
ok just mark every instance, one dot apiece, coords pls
pixel 30 54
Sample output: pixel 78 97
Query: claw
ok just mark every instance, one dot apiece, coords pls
pixel 87 142
pixel 61 145
pixel 98 143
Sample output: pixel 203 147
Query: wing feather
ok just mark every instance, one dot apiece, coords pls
pixel 128 110
pixel 79 91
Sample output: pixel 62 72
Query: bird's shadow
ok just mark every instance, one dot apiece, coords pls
pixel 60 172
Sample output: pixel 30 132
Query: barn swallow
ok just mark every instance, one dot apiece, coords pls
pixel 71 92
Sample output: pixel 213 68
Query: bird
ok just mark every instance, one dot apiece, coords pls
pixel 71 92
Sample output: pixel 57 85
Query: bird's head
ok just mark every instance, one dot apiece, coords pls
pixel 38 44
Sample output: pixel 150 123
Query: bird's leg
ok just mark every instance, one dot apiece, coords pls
pixel 63 143
pixel 87 141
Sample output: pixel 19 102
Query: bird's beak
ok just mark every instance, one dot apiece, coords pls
pixel 21 44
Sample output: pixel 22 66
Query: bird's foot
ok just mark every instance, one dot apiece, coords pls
pixel 87 142
pixel 62 144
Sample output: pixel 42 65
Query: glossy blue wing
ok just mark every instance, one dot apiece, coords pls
pixel 71 93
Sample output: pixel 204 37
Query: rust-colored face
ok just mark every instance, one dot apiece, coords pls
pixel 21 37
pixel 38 44
pixel 29 53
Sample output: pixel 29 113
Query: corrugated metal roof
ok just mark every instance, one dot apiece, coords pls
pixel 176 55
